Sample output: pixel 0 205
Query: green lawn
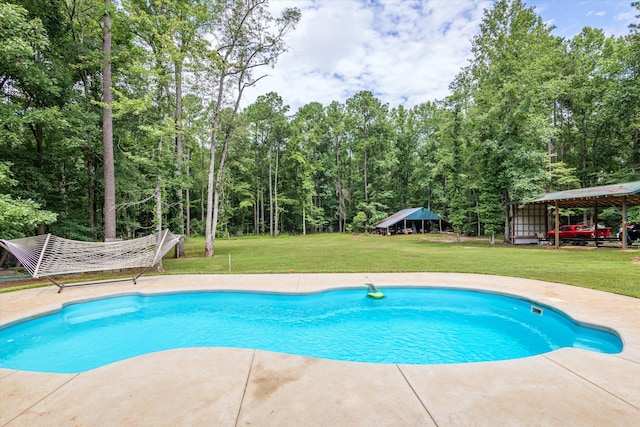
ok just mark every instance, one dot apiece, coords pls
pixel 607 269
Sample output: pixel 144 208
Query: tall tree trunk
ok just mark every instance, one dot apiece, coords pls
pixel 636 147
pixel 262 222
pixel 366 184
pixel 210 223
pixel 223 157
pixel 62 191
pixel 187 195
pixel 107 131
pixel 208 246
pixel 159 201
pixel 38 136
pixel 202 190
pixel 91 193
pixel 256 208
pixel 220 174
pixel 158 215
pixel 270 193
pixel 179 248
pixel 507 223
pixel 275 194
pixel 257 182
pixel 339 191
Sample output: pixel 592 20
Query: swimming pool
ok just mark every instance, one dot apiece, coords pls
pixel 409 326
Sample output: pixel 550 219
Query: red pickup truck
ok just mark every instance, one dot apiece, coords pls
pixel 578 231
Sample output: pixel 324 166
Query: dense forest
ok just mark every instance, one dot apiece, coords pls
pixel 121 117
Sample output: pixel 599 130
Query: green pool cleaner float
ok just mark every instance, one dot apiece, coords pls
pixel 373 292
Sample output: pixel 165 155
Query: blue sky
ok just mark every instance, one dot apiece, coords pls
pixel 404 51
pixel 570 16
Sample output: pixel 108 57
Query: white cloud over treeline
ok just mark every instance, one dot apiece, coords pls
pixel 404 51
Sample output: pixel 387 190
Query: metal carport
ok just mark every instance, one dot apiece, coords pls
pixel 617 195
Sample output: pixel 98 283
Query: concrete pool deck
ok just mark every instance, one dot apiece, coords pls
pixel 242 387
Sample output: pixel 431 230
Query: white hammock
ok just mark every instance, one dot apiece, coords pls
pixel 48 255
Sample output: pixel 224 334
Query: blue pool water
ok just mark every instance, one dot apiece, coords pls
pixel 408 326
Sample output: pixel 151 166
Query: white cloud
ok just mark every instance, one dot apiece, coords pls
pixel 405 52
pixel 625 19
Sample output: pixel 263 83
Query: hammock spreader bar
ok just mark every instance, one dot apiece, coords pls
pixel 62 285
pixel 46 242
pixel 49 255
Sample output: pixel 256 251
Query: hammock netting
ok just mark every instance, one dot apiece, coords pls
pixel 48 255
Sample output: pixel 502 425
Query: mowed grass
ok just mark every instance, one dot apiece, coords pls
pixel 606 269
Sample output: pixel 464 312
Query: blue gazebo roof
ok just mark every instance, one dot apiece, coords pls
pixel 416 214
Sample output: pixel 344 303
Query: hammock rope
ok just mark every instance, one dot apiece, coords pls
pixel 48 255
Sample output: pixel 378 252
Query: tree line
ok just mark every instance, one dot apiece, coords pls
pixel 530 113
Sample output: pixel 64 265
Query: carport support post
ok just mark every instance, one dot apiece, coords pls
pixel 557 227
pixel 546 218
pixel 595 219
pixel 623 236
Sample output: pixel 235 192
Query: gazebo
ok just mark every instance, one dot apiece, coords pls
pixel 407 221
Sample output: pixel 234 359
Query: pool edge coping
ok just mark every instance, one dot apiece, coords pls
pixel 575 302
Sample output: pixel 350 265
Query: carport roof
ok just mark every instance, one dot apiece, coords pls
pixel 588 197
pixel 409 214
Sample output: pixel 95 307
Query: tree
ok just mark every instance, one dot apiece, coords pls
pixel 45 122
pixel 587 140
pixel 407 139
pixel 309 164
pixel 621 103
pixel 267 116
pixel 83 49
pixel 107 131
pixel 368 126
pixel 338 135
pixel 18 218
pixel 174 33
pixel 249 38
pixel 428 179
pixel 516 62
pixel 528 107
